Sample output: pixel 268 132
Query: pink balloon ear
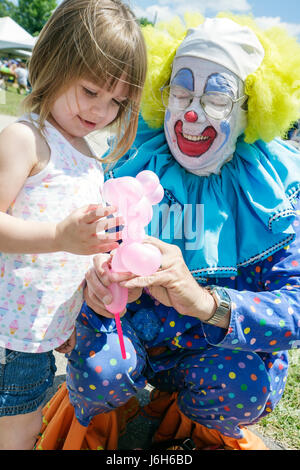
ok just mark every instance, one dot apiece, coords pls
pixel 157 195
pixel 149 180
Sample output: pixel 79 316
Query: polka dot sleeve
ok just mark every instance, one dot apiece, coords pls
pixel 266 319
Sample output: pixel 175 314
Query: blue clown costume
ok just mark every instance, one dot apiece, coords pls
pixel 249 244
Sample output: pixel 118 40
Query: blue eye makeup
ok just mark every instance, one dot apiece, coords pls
pixel 184 78
pixel 221 83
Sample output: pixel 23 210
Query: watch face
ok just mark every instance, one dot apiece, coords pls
pixel 223 294
pixel 223 302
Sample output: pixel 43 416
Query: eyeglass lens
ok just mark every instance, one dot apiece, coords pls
pixel 215 105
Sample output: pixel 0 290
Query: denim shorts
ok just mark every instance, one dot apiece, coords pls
pixel 24 380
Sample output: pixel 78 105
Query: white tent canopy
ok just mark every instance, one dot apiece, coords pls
pixel 13 36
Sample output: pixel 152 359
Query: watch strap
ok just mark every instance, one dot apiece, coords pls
pixel 223 303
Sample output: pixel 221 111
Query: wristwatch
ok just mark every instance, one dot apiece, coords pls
pixel 223 302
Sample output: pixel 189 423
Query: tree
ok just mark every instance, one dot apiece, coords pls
pixel 7 8
pixel 144 21
pixel 33 14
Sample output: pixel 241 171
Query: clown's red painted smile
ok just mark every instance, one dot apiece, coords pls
pixel 194 145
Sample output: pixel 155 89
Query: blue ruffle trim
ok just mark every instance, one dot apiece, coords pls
pixel 247 209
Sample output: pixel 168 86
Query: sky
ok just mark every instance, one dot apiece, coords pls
pixel 266 12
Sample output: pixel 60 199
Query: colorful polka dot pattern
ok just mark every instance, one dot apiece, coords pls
pixel 225 377
pixel 98 379
pixel 219 391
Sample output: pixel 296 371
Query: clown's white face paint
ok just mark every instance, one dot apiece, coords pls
pixel 198 142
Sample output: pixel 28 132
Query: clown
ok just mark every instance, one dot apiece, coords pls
pixel 214 324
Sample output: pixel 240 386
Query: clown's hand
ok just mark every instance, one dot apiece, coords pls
pixel 173 285
pixel 96 293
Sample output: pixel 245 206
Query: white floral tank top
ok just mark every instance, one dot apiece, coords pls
pixel 41 294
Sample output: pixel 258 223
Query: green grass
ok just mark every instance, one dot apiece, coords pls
pixel 283 424
pixel 12 105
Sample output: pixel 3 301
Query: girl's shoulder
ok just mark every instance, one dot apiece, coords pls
pixel 22 140
pixel 16 140
pixel 19 135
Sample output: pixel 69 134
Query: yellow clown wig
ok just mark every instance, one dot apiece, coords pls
pixel 273 90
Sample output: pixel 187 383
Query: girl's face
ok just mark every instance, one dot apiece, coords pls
pixel 85 107
pixel 202 141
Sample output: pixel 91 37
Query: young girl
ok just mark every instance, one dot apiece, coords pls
pixel 87 71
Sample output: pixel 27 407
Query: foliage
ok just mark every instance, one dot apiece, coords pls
pixel 144 21
pixel 33 14
pixel 30 14
pixel 7 8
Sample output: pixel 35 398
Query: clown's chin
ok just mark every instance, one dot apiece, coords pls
pixel 195 146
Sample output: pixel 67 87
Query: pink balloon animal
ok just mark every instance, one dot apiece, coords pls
pixel 134 198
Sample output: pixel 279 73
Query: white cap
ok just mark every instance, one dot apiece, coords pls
pixel 225 42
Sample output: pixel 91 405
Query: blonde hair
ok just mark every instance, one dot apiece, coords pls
pixel 273 89
pixel 99 40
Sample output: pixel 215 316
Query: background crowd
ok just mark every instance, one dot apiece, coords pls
pixel 14 72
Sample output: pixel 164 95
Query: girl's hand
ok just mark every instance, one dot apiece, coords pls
pixel 83 231
pixel 173 285
pixel 98 278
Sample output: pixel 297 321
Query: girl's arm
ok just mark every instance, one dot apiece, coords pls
pixel 82 232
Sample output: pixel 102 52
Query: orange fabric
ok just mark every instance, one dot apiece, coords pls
pixel 62 431
pixel 175 425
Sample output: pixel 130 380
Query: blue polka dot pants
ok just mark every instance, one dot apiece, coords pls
pixel 220 389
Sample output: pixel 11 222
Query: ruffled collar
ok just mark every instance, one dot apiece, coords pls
pixel 244 214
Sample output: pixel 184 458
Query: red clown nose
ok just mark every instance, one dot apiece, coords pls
pixel 191 116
